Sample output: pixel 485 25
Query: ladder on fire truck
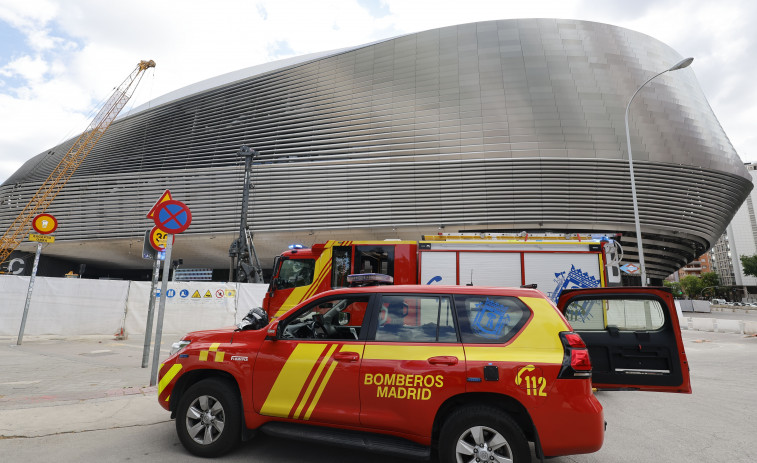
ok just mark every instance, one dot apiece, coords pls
pixel 71 161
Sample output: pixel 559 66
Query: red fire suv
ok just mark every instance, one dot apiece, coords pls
pixel 472 373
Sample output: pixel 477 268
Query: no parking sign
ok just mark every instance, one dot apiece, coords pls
pixel 172 217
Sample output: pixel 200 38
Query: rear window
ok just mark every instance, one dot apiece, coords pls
pixel 490 319
pixel 625 314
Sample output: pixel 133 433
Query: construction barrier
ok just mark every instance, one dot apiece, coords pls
pixel 688 305
pixel 73 307
pixel 62 306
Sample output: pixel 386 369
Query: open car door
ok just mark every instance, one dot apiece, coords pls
pixel 633 337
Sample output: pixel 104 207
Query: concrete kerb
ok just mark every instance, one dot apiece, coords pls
pixel 719 325
pixel 86 415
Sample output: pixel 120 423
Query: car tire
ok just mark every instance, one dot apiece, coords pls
pixel 208 418
pixel 482 434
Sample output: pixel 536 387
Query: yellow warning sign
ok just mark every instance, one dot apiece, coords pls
pixel 196 294
pixel 207 294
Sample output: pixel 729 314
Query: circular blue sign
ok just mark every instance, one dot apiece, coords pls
pixel 172 217
pixel 184 293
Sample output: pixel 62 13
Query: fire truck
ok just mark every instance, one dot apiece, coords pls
pixel 550 262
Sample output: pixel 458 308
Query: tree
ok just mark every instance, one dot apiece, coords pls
pixel 710 284
pixel 691 285
pixel 675 288
pixel 750 265
pixel 710 279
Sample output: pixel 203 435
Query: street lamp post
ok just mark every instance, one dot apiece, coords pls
pixel 680 65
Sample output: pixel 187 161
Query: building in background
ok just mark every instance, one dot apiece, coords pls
pixel 497 126
pixel 740 239
pixel 697 267
pixel 722 263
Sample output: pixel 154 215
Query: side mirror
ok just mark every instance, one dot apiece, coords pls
pixel 272 331
pixel 344 318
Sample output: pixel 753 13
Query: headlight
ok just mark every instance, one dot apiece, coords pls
pixel 177 346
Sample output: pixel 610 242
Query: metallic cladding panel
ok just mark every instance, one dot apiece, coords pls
pixel 499 125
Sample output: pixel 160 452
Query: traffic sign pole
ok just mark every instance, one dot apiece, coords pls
pixel 29 294
pixel 161 311
pixel 150 312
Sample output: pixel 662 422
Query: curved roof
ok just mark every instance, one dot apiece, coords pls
pixel 493 126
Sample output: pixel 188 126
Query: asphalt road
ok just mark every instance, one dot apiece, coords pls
pixel 715 423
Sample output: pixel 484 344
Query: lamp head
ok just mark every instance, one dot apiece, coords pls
pixel 681 64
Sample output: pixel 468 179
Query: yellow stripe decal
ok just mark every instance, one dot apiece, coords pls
pixel 385 351
pixel 313 381
pixel 321 276
pixel 509 354
pixel 168 377
pixel 357 348
pixel 291 380
pixel 320 389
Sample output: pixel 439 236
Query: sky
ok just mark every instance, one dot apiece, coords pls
pixel 60 60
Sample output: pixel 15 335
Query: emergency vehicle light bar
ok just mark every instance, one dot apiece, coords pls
pixel 369 279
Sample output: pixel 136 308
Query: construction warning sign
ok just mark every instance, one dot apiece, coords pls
pixel 166 196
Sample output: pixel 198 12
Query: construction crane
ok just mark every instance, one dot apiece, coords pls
pixel 71 161
pixel 242 250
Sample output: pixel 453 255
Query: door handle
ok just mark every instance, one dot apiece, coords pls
pixel 443 360
pixel 346 357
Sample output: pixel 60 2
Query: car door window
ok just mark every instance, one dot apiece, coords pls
pixel 624 314
pixel 331 318
pixel 426 318
pixel 490 319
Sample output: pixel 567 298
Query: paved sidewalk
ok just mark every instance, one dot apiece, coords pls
pixel 52 385
pixel 55 369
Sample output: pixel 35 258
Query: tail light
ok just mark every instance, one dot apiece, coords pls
pixel 576 362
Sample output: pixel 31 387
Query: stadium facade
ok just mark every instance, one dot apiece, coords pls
pixel 500 126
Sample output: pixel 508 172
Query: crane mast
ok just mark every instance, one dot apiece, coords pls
pixel 71 161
